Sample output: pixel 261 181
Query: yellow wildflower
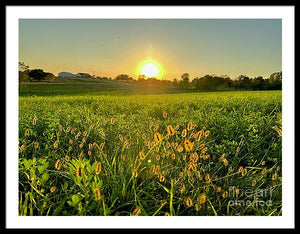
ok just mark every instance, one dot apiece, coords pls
pixel 97 194
pixel 98 168
pixel 157 137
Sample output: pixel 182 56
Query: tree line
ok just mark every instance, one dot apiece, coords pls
pixel 213 82
pixel 28 75
pixel 207 82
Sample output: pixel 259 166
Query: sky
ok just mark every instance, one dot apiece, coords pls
pixel 109 47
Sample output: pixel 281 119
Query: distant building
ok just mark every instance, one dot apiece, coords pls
pixel 66 74
pixel 69 74
pixel 84 75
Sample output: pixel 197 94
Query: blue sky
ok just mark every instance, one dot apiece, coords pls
pixel 110 47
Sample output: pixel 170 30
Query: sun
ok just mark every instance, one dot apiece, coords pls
pixel 150 70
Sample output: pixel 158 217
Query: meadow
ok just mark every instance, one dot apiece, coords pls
pixel 183 154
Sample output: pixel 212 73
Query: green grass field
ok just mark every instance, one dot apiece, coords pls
pixel 105 153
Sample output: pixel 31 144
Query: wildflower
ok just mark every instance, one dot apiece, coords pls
pixel 55 145
pixel 204 150
pixel 85 133
pixel 27 132
pixel 112 120
pixel 225 194
pixel 83 140
pixel 89 152
pixel 207 133
pixel 179 148
pixel 199 135
pixel 190 126
pixel 92 126
pixel 155 128
pixel 244 172
pixel 253 183
pixel 69 116
pixel 102 133
pixel 274 176
pixel 121 137
pixel 189 202
pixel 142 155
pixel 161 178
pixel 241 169
pixel 95 145
pixel 136 211
pixel 165 114
pixel 182 189
pixel 197 207
pixel 193 166
pixel 194 157
pixel 98 168
pixel 79 171
pixel 102 146
pixel 184 132
pixel 57 164
pixel 200 147
pixel 135 173
pixel 202 198
pixel 207 177
pixel 200 177
pixel 238 149
pixel 67 158
pixel 205 156
pixel 80 145
pixel 68 129
pixel 97 194
pixel 184 157
pixel 157 137
pixel 126 144
pixel 219 189
pixel 158 157
pixel 157 169
pixel 59 134
pixel 170 130
pixel 36 145
pixel 21 148
pixel 167 214
pixel 34 120
pixel 225 161
pixel 230 169
pixel 263 163
pixel 52 189
pixel 278 130
pixel 188 145
pixel 152 169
